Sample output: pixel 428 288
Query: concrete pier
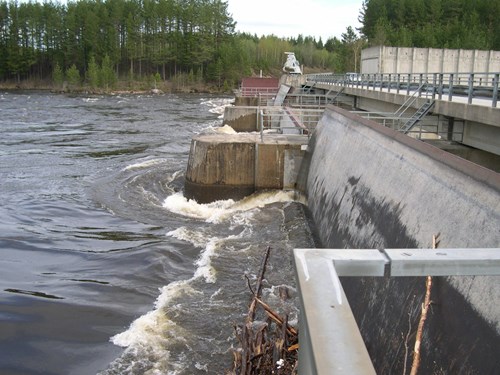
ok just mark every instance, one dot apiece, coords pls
pixel 224 166
pixel 241 118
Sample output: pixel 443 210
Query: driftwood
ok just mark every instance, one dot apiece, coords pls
pixel 423 316
pixel 269 345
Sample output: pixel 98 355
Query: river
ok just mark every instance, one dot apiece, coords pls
pixel 105 267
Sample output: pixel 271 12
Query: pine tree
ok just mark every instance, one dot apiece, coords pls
pixel 107 73
pixel 57 75
pixel 93 73
pixel 73 76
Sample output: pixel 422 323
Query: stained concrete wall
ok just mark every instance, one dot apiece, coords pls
pixel 220 167
pixel 224 166
pixel 382 59
pixel 241 118
pixel 371 187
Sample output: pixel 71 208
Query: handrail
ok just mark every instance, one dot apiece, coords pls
pixel 254 91
pixel 474 87
pixel 409 102
pixel 298 99
pixel 329 338
pixel 287 120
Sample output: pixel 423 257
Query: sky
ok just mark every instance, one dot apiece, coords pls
pixel 289 18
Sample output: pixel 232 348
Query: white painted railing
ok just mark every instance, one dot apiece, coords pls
pixel 329 338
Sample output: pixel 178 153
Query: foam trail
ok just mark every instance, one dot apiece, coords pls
pixel 144 164
pixel 198 239
pixel 218 211
pixel 217 105
pixel 149 336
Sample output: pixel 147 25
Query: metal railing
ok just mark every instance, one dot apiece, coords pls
pixel 469 88
pixel 329 338
pixel 301 99
pixel 430 128
pixel 255 91
pixel 287 120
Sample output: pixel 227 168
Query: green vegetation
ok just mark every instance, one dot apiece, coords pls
pixel 100 44
pixel 467 24
pixel 107 44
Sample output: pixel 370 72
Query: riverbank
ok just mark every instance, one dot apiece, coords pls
pixel 121 87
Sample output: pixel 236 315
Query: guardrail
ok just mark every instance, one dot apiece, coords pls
pixel 330 341
pixel 287 120
pixel 427 129
pixel 255 91
pixel 302 99
pixel 465 87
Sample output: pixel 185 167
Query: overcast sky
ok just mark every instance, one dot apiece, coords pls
pixel 289 18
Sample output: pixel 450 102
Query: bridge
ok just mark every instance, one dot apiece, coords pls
pixel 456 112
pixel 455 106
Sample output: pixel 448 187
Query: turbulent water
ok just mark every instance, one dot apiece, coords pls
pixel 104 266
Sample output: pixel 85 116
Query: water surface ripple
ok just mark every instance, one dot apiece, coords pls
pixel 104 266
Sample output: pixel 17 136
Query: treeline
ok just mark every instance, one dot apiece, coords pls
pixel 451 24
pixel 100 42
pixel 97 42
pixel 138 37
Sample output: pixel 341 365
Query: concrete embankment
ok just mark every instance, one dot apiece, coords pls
pixel 223 166
pixel 371 187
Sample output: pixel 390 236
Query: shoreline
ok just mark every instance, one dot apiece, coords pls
pixel 122 87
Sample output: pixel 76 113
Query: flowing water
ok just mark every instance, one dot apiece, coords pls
pixel 104 266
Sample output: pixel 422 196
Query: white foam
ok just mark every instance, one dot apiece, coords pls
pixel 210 244
pixel 149 336
pixel 226 129
pixel 196 238
pixel 204 262
pixel 199 366
pixel 144 164
pixel 218 211
pixel 152 330
pixel 217 105
pixel 90 100
pixel 179 204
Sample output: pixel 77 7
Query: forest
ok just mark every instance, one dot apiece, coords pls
pixel 104 43
pixel 454 24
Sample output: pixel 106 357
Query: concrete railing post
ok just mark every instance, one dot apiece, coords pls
pixel 471 88
pixel 450 87
pixel 495 90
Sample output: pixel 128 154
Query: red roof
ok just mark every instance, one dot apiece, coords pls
pixel 259 82
pixel 252 86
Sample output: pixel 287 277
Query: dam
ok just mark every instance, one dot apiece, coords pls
pixel 372 187
pixel 369 187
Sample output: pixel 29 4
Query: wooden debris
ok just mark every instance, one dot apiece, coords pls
pixel 268 345
pixel 423 316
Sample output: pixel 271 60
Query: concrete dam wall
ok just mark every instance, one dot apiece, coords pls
pixel 372 187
